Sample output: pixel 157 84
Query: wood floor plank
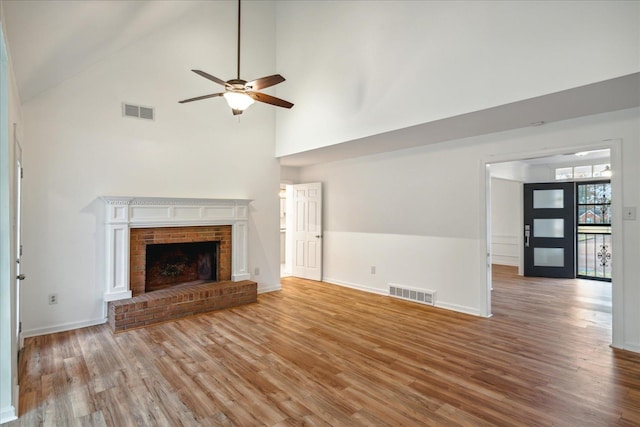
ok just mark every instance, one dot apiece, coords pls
pixel 317 354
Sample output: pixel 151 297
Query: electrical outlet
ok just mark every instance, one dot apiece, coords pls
pixel 256 271
pixel 53 299
pixel 373 269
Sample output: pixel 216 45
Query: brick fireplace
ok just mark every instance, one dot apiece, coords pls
pixel 205 269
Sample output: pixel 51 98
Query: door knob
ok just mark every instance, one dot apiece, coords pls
pixel 21 277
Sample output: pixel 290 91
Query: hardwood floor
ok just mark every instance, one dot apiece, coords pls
pixel 319 354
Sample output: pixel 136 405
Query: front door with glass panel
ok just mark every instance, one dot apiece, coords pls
pixel 549 230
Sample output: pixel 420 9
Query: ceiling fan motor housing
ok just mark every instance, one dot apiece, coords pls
pixel 237 84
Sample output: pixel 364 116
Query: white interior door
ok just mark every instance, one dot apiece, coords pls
pixel 307 231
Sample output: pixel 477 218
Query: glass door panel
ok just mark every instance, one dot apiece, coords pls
pixel 593 239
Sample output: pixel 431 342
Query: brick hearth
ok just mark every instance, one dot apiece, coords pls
pixel 179 301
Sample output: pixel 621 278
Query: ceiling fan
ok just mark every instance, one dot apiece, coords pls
pixel 240 94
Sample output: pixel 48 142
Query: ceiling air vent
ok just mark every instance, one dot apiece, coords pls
pixel 137 111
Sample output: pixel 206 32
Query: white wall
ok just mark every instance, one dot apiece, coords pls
pixel 77 147
pixel 506 220
pixel 360 68
pixel 289 175
pixel 418 214
pixel 10 113
pixel 513 171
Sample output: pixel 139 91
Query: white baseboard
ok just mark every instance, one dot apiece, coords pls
pixel 62 327
pixel 439 304
pixel 16 395
pixel 505 260
pixel 354 286
pixel 635 347
pixel 8 414
pixel 459 308
pixel 263 289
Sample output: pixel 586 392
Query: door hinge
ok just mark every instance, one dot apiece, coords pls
pixel 21 173
pixel 20 252
pixel 20 327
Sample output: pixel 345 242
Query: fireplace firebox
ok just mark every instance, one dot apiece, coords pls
pixel 173 264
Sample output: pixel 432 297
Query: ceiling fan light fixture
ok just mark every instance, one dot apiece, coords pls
pixel 238 101
pixel 239 93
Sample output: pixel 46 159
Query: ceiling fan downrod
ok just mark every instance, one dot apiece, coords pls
pixel 239 11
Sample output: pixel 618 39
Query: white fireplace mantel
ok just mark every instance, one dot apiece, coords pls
pixel 124 213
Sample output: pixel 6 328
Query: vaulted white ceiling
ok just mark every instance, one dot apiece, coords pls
pixel 51 41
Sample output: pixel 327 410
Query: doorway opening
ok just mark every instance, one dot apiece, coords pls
pixel 542 167
pixel 301 214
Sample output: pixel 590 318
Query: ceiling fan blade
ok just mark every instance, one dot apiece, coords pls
pixel 198 98
pixel 264 82
pixel 210 77
pixel 268 99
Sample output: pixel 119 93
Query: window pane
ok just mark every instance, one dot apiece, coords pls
pixel 582 194
pixel 548 257
pixel 564 173
pixel 602 214
pixel 602 170
pixel 582 171
pixel 582 214
pixel 603 193
pixel 590 193
pixel 589 214
pixel 548 199
pixel 553 227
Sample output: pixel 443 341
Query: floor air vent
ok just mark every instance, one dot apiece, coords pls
pixel 422 296
pixel 137 111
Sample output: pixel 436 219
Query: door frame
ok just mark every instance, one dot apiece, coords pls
pixel 308 273
pixel 18 207
pixel 8 351
pixel 484 249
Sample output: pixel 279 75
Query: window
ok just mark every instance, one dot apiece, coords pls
pixel 564 173
pixel 583 172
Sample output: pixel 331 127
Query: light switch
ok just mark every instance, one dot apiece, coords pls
pixel 629 212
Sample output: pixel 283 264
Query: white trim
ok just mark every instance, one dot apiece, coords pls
pixel 459 308
pixel 356 286
pixel 617 276
pixel 635 347
pixel 8 414
pixel 484 245
pixel 505 250
pixel 63 327
pixel 511 261
pixel 439 304
pixel 263 289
